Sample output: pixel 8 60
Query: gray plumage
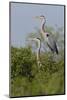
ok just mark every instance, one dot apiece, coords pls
pixel 52 45
pixel 48 37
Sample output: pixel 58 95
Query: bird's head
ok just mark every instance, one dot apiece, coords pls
pixel 40 17
pixel 37 42
pixel 34 39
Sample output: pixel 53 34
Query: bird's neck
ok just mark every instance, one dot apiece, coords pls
pixel 43 27
pixel 38 54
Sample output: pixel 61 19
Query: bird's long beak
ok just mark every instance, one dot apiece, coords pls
pixel 37 17
pixel 30 39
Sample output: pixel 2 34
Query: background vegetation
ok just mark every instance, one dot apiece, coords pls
pixel 26 78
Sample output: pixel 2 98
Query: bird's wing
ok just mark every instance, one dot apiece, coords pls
pixel 50 47
pixel 55 46
pixel 52 44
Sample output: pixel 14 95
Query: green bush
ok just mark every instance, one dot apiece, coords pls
pixel 27 79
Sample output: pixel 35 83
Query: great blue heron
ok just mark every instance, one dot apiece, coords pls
pixel 38 41
pixel 48 37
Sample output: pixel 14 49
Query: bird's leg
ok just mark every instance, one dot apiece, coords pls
pixel 51 56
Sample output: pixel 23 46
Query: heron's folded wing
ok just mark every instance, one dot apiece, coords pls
pixel 50 47
pixel 55 46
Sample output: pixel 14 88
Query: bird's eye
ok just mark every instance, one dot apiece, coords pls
pixel 47 35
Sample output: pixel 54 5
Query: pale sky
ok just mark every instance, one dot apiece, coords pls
pixel 23 23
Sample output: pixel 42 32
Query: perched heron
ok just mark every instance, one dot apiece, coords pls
pixel 48 37
pixel 38 41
